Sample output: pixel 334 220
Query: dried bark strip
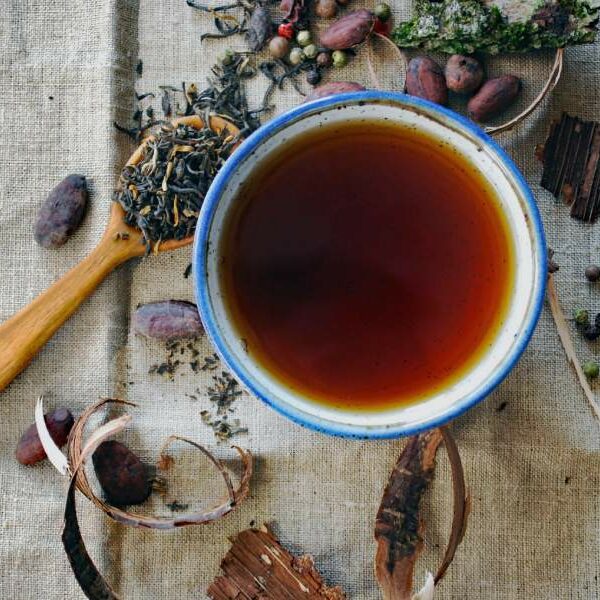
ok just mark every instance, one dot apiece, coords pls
pixel 257 566
pixel 398 526
pixel 571 158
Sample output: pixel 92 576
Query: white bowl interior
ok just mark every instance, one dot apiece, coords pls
pixel 522 302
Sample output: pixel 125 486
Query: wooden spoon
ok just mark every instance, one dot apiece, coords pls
pixel 24 334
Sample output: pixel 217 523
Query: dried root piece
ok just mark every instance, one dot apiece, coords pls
pixel 234 495
pixel 257 566
pixel 398 526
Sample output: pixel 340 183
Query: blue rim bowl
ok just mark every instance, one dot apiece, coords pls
pixel 205 257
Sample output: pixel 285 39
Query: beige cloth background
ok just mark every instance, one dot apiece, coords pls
pixel 66 72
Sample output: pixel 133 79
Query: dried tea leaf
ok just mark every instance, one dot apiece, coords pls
pixel 498 26
pixel 257 567
pixel 234 495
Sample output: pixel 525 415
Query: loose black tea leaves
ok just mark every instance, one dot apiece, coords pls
pixel 162 194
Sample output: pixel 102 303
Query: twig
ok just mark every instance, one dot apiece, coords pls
pixel 565 337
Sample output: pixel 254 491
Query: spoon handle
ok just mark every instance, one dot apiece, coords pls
pixel 24 334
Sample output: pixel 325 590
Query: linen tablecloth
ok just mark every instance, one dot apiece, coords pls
pixel 67 71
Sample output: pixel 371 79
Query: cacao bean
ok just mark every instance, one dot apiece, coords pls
pixel 30 450
pixel 464 74
pixel 350 30
pixel 495 96
pixel 332 88
pixel 425 79
pixel 124 478
pixel 62 212
pixel 169 320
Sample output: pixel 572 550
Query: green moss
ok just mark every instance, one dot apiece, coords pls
pixel 467 26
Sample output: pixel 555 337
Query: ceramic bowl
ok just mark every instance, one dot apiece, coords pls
pixel 525 228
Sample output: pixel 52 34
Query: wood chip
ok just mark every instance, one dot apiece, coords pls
pixel 572 167
pixel 258 566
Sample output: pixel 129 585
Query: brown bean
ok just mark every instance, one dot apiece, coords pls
pixel 30 450
pixel 169 320
pixel 62 212
pixel 124 478
pixel 332 88
pixel 350 30
pixel 464 74
pixel 494 97
pixel 425 79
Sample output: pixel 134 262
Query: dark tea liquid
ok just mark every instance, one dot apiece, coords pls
pixel 366 266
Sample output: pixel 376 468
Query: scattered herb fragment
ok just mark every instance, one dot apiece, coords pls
pixel 224 392
pixel 188 271
pixel 501 406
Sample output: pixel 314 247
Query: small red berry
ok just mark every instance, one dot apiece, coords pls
pixel 286 30
pixel 383 27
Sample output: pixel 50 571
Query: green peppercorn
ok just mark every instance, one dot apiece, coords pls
pixel 296 56
pixel 582 316
pixel 226 57
pixel 591 369
pixel 303 38
pixel 383 12
pixel 339 58
pixel 592 273
pixel 311 51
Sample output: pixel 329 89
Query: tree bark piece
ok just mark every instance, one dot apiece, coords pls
pixel 398 526
pixel 257 566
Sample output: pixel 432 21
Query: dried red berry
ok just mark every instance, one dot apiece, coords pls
pixel 30 450
pixel 286 30
pixel 123 476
